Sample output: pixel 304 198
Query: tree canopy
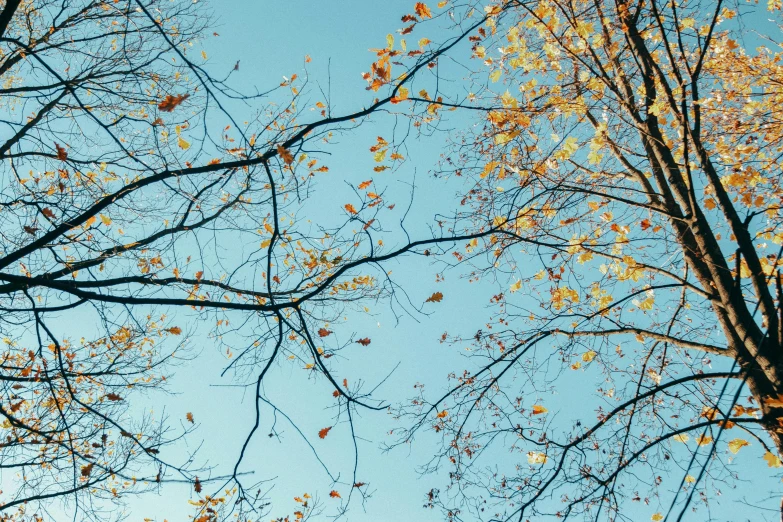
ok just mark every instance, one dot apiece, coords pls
pixel 610 173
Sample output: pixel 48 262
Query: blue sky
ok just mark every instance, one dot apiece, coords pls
pixel 271 39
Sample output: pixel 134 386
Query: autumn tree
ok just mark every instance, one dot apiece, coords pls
pixel 129 169
pixel 624 163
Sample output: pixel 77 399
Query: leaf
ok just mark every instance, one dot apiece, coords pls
pixel 182 144
pixel 437 297
pixel 189 417
pixel 539 410
pixel 323 332
pixel 197 486
pixel 199 275
pixel 737 444
pixel 703 440
pixel 657 517
pixel 690 479
pixel 323 433
pixel 174 330
pixel 106 220
pixel 62 154
pixel 170 102
pixel 589 356
pixel 773 461
pixel 422 10
pixel 364 184
pixel 48 213
pixel 359 484
pixel 113 397
pixel 336 393
pixel 30 230
pixel 774 402
pixel 516 286
pixel 350 208
pixel 86 470
pixel 364 342
pixel 681 437
pixel 285 154
pixel 534 457
pixel 443 414
pixel 334 494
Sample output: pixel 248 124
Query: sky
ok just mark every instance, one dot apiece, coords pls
pixel 270 39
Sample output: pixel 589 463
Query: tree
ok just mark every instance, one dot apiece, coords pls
pixel 126 177
pixel 627 165
pixel 624 182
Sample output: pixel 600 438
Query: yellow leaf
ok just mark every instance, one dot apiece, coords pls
pixel 380 155
pixel 182 144
pixel 516 286
pixel 269 228
pixel 589 356
pixel 106 220
pixel 689 479
pixel 656 517
pixel 423 43
pixel 703 440
pixel 534 457
pixel 538 409
pixel 389 41
pixel 443 4
pixel 204 54
pixel 773 461
pixel 681 437
pixel 495 76
pixel 737 444
pixel 90 222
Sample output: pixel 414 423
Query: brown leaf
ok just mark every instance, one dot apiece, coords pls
pixel 48 213
pixel 336 393
pixel 189 417
pixel 364 342
pixel 334 494
pixel 62 154
pixel 174 330
pixel 113 397
pixel 170 102
pixel 437 297
pixel 422 10
pixel 359 484
pixel 285 154
pixel 323 433
pixel 30 230
pixel 197 486
pixel 86 470
pixel 323 332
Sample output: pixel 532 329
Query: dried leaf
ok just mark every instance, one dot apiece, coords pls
pixel 189 417
pixel 285 154
pixel 197 486
pixel 170 102
pixel 323 433
pixel 364 342
pixel 334 494
pixel 437 297
pixel 62 154
pixel 323 332
pixel 422 10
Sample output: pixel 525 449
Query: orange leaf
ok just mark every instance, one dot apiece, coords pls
pixel 364 342
pixel 170 102
pixel 62 154
pixel 538 409
pixel 443 414
pixel 437 297
pixel 199 275
pixel 364 184
pixel 189 417
pixel 323 433
pixel 285 154
pixel 336 393
pixel 422 10
pixel 174 330
pixel 350 208
pixel 323 332
pixel 334 494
